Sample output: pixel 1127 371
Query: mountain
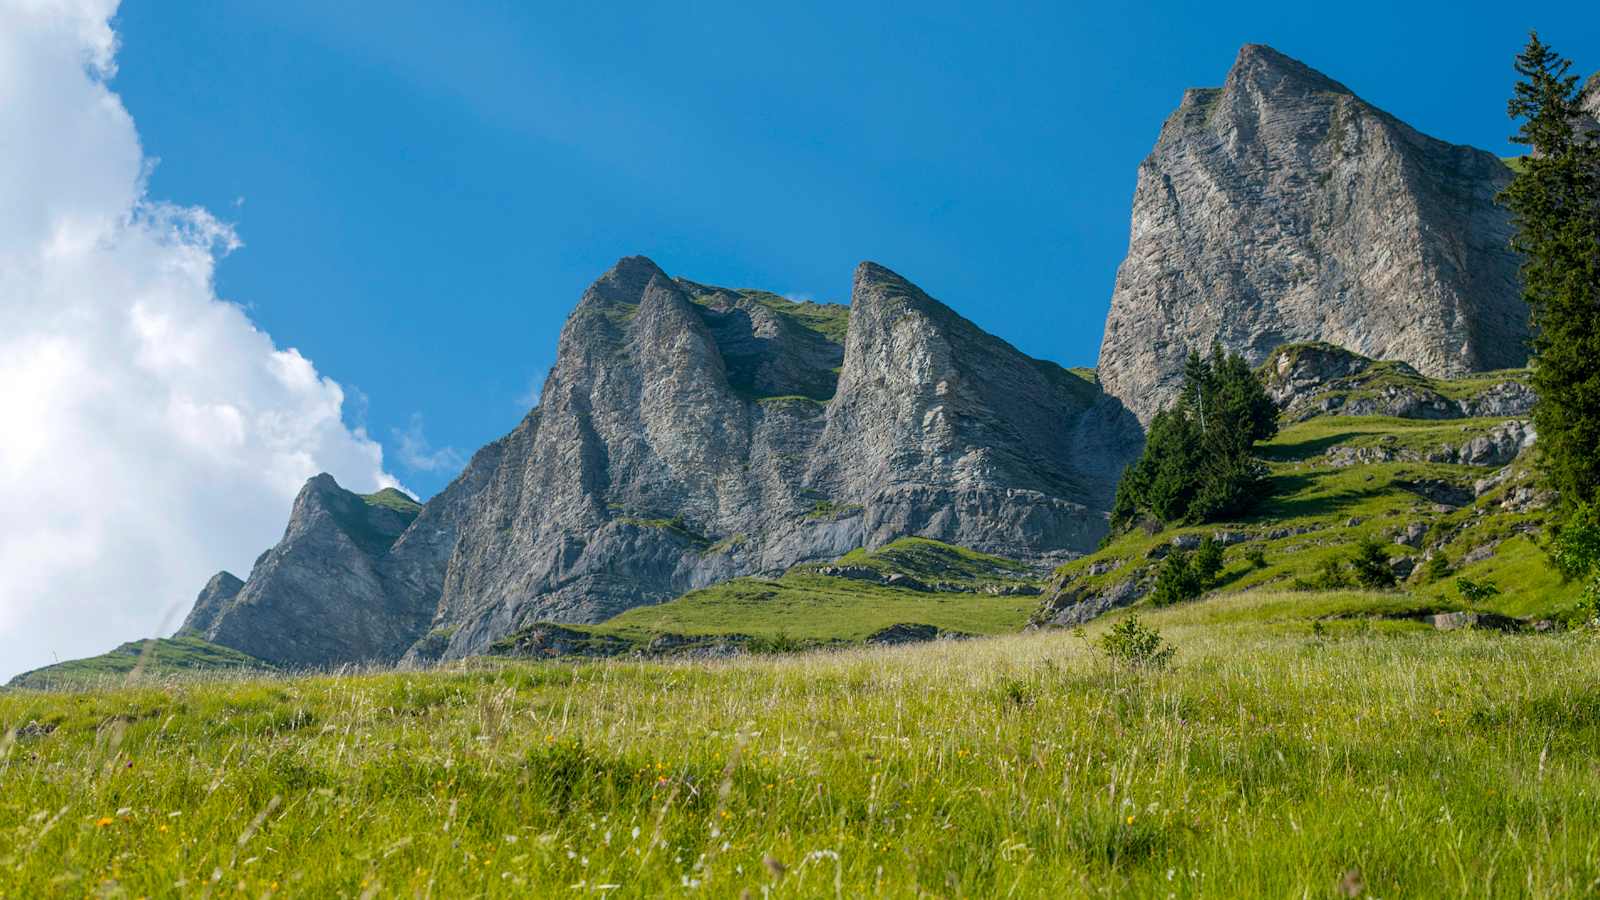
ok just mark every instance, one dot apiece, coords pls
pixel 687 435
pixel 320 596
pixel 690 434
pixel 1280 208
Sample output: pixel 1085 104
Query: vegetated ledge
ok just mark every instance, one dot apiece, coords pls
pixel 548 640
pixel 154 657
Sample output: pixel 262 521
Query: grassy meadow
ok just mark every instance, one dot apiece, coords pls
pixel 1300 745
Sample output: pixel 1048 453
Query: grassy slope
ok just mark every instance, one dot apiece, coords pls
pixel 1343 505
pixel 806 606
pixel 165 656
pixel 1268 762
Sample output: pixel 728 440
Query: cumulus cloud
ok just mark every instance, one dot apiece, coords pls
pixel 417 454
pixel 150 434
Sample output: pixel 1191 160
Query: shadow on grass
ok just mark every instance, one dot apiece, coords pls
pixel 1282 504
pixel 1307 449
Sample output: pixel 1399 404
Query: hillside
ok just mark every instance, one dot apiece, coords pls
pixel 1429 467
pixel 150 659
pixel 912 589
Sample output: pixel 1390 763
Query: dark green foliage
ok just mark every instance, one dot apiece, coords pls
pixel 1131 643
pixel 1177 581
pixel 1256 557
pixel 1371 565
pixel 1476 591
pixel 1555 202
pixel 1208 561
pixel 1576 553
pixel 1197 463
pixel 1438 567
pixel 1330 576
pixel 1185 576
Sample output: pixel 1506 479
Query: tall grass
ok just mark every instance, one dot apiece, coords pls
pixel 1270 760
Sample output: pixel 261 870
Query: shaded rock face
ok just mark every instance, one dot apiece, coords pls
pixel 318 598
pixel 213 599
pixel 1282 208
pixel 689 434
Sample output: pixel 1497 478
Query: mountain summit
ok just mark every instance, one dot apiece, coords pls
pixel 1281 207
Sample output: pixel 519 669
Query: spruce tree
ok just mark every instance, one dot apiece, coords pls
pixel 1555 203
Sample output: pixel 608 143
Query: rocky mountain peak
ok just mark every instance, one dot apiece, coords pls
pixel 1282 208
pixel 1260 67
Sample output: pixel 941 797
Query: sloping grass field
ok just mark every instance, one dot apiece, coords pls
pixel 1300 745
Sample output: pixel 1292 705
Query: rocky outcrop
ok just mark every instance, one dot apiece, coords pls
pixel 688 434
pixel 213 599
pixel 1315 379
pixel 319 597
pixel 1282 208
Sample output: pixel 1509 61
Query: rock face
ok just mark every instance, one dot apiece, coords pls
pixel 1308 380
pixel 1282 208
pixel 319 597
pixel 213 599
pixel 689 434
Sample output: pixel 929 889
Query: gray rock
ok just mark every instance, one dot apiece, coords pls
pixel 319 597
pixel 1283 208
pixel 1412 535
pixel 213 599
pixel 905 582
pixel 1076 608
pixel 903 634
pixel 656 440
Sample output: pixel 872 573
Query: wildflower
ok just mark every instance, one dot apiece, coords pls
pixel 1130 820
pixel 103 821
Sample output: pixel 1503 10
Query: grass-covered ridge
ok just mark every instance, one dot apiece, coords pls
pixel 154 658
pixel 393 498
pixel 1294 741
pixel 911 581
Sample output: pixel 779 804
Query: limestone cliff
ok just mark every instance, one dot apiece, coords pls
pixel 1280 208
pixel 689 434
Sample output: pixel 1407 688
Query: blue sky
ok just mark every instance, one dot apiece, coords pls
pixel 423 193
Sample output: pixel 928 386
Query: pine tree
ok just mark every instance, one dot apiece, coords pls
pixel 1555 203
pixel 1197 463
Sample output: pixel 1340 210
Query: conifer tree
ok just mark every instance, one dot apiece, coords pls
pixel 1555 203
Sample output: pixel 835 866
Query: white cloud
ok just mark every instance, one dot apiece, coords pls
pixel 150 434
pixel 417 454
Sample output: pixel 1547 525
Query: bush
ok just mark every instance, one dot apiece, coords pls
pixel 1438 567
pixel 1371 564
pixel 1178 581
pixel 1576 553
pixel 1476 592
pixel 1330 577
pixel 1131 643
pixel 1208 562
pixel 1256 557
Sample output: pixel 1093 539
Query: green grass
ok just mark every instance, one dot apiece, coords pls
pixel 934 561
pixel 808 607
pixel 155 657
pixel 1270 760
pixel 395 499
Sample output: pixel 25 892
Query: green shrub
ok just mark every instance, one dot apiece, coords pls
pixel 1256 557
pixel 1329 577
pixel 1370 563
pixel 1208 562
pixel 1476 591
pixel 1438 567
pixel 1131 643
pixel 1178 581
